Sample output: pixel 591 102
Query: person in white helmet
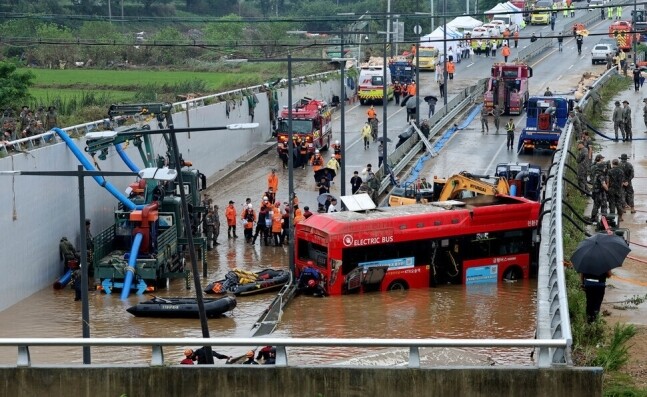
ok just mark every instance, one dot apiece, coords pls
pixel 337 150
pixel 249 217
pixel 317 161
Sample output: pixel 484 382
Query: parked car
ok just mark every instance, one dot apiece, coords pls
pixel 541 13
pixel 480 32
pixel 600 51
pixel 593 3
pixel 492 29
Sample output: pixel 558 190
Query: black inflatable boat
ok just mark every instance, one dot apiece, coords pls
pixel 182 307
pixel 241 282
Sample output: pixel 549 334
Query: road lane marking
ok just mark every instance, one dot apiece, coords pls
pixel 570 67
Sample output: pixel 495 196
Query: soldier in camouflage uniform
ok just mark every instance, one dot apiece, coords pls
pixel 600 187
pixel 496 112
pixel 582 166
pixel 484 124
pixel 626 119
pixel 628 193
pixel 614 194
pixel 617 121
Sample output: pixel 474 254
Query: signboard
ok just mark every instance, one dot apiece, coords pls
pixel 395 263
pixel 481 274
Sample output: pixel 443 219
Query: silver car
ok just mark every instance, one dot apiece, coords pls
pixel 600 51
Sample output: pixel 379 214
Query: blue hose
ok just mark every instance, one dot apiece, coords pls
pixel 88 166
pixel 440 143
pixel 132 265
pixel 126 159
pixel 63 280
pixel 513 190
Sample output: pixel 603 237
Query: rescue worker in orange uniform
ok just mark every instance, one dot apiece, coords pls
pixel 249 217
pixel 277 224
pixel 516 38
pixel 230 214
pixel 397 91
pixel 411 88
pixel 336 147
pixel 371 113
pixel 317 161
pixel 273 181
pixel 451 68
pixel 505 51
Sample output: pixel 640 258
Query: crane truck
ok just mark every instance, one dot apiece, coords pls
pixel 148 239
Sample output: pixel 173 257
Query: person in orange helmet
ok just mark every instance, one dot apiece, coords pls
pixel 277 224
pixel 230 214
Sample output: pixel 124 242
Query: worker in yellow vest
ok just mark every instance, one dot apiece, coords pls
pixel 618 12
pixel 565 9
pixel 609 12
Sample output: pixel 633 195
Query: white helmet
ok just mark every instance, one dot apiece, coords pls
pixel 316 151
pixel 250 206
pixel 265 198
pixel 336 142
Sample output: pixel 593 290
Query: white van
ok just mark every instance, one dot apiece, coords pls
pixel 493 29
pixel 503 22
pixel 370 85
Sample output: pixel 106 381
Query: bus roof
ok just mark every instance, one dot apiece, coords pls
pixel 487 212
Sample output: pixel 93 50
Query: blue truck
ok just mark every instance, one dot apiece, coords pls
pixel 546 117
pixel 403 70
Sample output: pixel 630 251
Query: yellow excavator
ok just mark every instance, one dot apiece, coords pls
pixel 461 185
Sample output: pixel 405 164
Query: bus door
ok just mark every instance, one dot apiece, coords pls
pixel 366 278
pixel 445 262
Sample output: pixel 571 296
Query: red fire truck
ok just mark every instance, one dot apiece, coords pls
pixel 311 121
pixel 477 240
pixel 508 87
pixel 621 31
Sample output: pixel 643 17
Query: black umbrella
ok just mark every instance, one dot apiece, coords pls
pixel 380 138
pixel 430 98
pixel 600 253
pixel 321 199
pixel 404 100
pixel 327 173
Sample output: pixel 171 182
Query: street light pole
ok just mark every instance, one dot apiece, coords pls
pixel 445 52
pixel 342 120
pixel 385 102
pixel 418 81
pixel 432 15
pixel 290 171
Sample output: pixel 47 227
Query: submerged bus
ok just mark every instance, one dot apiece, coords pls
pixel 483 239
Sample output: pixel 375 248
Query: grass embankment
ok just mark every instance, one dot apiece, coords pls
pixel 596 344
pixel 82 95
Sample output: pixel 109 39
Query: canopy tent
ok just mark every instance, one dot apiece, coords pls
pixel 435 38
pixel 464 23
pixel 506 9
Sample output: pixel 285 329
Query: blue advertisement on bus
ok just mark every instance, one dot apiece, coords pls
pixel 481 274
pixel 395 263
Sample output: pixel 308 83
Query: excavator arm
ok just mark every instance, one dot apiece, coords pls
pixel 465 181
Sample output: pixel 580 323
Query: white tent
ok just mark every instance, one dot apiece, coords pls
pixel 505 9
pixel 435 38
pixel 464 23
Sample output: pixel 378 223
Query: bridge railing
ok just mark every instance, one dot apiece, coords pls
pixel 157 345
pixel 553 319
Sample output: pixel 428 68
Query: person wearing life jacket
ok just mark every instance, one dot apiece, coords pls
pixel 516 38
pixel 333 164
pixel 371 113
pixel 249 218
pixel 303 154
pixel 310 281
pixel 411 89
pixel 317 161
pixel 230 215
pixel 397 91
pixel 250 358
pixel 337 150
pixel 277 224
pixel 187 357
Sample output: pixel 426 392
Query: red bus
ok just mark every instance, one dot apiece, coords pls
pixel 475 240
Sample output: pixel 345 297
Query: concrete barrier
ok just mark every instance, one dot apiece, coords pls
pixel 271 381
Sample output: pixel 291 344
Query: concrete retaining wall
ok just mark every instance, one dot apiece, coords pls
pixel 264 381
pixel 38 211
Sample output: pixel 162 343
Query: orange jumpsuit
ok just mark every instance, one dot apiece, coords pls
pixel 273 182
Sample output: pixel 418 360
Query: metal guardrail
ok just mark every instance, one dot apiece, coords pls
pixel 553 319
pixel 157 358
pixel 50 137
pixel 405 153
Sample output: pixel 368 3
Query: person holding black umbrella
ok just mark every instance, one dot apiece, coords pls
pixel 594 258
